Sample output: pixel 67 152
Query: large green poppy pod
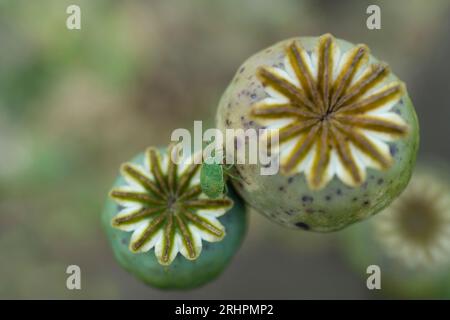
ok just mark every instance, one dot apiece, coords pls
pixel 163 228
pixel 348 132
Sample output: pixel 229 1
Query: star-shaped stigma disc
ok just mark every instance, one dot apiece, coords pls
pixel 164 206
pixel 332 110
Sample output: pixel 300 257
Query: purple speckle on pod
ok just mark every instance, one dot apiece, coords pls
pixel 307 199
pixel 393 149
pixel 302 225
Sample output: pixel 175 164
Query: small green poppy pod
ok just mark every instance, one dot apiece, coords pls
pixel 163 228
pixel 410 240
pixel 347 131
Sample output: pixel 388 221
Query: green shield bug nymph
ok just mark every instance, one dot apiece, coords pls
pixel 213 175
pixel 212 180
